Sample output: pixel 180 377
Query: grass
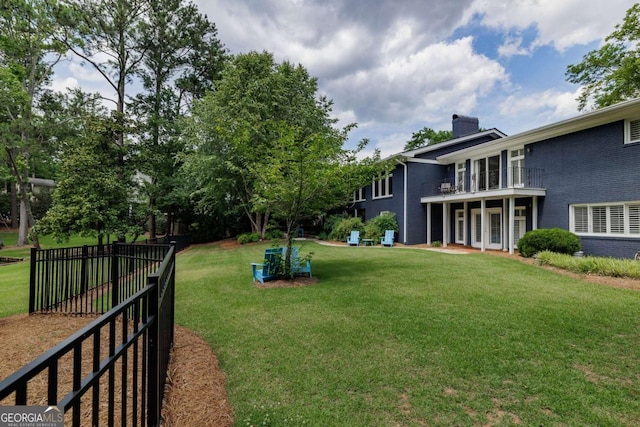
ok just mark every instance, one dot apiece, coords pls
pixel 602 266
pixel 407 337
pixel 410 337
pixel 10 238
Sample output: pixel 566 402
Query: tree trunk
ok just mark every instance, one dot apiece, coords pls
pixel 14 205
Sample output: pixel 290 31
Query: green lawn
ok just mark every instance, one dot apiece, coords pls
pixel 407 337
pixel 410 337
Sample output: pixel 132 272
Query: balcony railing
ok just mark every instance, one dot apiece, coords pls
pixel 517 177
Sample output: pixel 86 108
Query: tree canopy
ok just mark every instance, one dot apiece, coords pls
pixel 427 136
pixel 264 144
pixel 611 74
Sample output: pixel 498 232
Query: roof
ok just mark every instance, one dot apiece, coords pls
pixel 422 150
pixel 621 111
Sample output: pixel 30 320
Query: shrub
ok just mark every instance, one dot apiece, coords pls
pixel 375 227
pixel 591 265
pixel 343 228
pixel 548 239
pixel 248 237
pixel 273 233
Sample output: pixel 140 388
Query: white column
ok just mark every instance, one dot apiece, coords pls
pixel 512 224
pixel 445 224
pixel 465 240
pixel 505 225
pixel 483 224
pixel 429 223
pixel 534 213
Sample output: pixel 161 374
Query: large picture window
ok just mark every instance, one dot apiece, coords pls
pixel 611 219
pixel 383 187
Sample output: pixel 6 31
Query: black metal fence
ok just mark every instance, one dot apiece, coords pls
pixel 113 371
pixel 90 279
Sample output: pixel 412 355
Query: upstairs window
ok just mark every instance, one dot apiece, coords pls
pixel 461 173
pixel 383 187
pixel 632 131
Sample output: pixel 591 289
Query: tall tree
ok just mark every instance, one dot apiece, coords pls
pixel 264 141
pixel 107 37
pixel 29 48
pixel 427 136
pixel 104 201
pixel 183 58
pixel 611 73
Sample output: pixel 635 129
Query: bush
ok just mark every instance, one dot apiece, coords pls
pixel 273 234
pixel 343 228
pixel 248 237
pixel 601 266
pixel 375 227
pixel 548 239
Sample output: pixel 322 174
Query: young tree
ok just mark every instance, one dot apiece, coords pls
pixel 265 141
pixel 611 74
pixel 99 203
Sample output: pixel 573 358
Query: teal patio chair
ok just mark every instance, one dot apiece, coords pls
pixel 299 266
pixel 270 268
pixel 387 240
pixel 354 239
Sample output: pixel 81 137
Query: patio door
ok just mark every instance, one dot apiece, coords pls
pixel 493 229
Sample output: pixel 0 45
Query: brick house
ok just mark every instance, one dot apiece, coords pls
pixel 484 189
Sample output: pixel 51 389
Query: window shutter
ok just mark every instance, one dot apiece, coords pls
pixel 634 219
pixel 616 214
pixel 634 130
pixel 599 219
pixel 581 219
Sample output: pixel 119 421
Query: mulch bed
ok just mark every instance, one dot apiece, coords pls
pixel 195 394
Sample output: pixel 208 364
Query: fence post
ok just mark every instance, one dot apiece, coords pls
pixel 115 275
pixel 84 271
pixel 32 281
pixel 154 394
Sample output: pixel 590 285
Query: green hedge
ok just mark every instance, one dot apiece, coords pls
pixel 548 239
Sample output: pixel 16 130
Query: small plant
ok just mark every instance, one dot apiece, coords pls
pixel 548 239
pixel 375 227
pixel 436 243
pixel 248 238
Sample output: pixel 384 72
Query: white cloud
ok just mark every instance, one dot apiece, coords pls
pixel 548 106
pixel 561 24
pixel 440 79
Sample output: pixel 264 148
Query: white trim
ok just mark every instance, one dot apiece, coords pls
pixel 602 116
pixel 632 131
pixel 607 220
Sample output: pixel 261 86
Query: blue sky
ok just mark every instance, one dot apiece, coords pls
pixel 395 66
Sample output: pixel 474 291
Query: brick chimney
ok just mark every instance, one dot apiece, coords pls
pixel 464 125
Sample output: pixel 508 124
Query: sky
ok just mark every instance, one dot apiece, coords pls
pixel 396 66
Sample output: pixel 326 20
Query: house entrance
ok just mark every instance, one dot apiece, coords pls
pixel 493 228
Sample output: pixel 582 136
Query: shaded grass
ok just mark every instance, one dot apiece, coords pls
pixel 410 337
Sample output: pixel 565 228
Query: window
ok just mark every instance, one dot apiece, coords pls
pixel 358 195
pixel 383 187
pixel 517 167
pixel 461 172
pixel 613 219
pixel 487 173
pixel 631 131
